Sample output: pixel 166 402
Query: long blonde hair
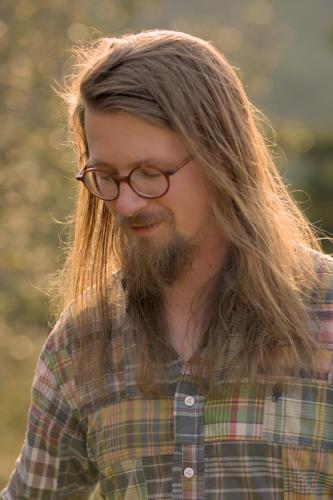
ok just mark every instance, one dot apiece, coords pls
pixel 262 296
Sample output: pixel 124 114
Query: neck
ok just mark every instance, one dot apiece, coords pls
pixel 183 304
pixel 185 300
pixel 207 262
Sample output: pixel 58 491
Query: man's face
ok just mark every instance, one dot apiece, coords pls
pixel 180 220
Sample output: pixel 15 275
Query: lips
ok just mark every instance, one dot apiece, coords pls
pixel 144 225
pixel 144 229
pixel 143 221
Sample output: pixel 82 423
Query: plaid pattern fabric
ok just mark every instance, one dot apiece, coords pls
pixel 257 441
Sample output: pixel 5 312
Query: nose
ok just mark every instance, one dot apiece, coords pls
pixel 128 202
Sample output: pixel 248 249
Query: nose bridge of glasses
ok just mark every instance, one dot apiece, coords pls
pixel 128 201
pixel 124 186
pixel 118 179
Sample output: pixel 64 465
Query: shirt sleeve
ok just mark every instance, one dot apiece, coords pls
pixel 54 461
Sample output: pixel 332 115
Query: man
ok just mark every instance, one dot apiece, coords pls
pixel 194 355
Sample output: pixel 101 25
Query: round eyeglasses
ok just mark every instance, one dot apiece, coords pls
pixel 146 181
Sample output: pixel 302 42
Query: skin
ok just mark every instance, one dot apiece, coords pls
pixel 121 140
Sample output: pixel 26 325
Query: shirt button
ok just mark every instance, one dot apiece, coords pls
pixel 188 472
pixel 189 401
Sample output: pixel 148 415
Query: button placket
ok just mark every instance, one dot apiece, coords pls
pixel 188 426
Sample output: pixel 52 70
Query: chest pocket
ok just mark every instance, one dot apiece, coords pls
pixel 295 423
pixel 300 413
pixel 299 419
pixel 237 414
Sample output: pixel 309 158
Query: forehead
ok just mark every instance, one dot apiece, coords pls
pixel 124 138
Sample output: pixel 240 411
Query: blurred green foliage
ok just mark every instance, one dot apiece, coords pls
pixel 266 39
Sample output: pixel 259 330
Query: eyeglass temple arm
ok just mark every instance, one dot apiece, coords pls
pixel 183 163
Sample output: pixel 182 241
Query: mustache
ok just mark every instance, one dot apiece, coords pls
pixel 144 219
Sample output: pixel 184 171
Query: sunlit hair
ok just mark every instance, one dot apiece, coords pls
pixel 262 295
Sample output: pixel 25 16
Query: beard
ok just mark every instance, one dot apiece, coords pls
pixel 148 265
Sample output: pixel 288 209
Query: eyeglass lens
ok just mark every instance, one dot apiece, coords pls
pixel 145 181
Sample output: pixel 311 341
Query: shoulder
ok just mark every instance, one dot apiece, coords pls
pixel 63 334
pixel 323 300
pixel 78 335
pixel 324 272
pixel 82 320
pixel 55 370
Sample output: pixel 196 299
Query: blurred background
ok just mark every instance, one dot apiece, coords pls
pixel 284 54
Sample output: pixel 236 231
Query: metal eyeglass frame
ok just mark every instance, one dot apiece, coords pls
pixel 127 178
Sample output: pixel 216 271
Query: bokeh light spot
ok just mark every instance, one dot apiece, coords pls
pixel 21 347
pixel 25 9
pixel 260 12
pixel 77 32
pixel 3 29
pixel 230 39
pixel 298 137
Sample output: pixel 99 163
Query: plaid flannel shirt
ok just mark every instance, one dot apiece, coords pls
pixel 254 442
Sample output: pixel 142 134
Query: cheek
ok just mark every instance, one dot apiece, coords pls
pixel 191 209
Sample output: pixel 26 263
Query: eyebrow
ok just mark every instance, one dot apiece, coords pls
pixel 145 161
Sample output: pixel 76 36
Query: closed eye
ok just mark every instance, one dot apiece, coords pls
pixel 148 172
